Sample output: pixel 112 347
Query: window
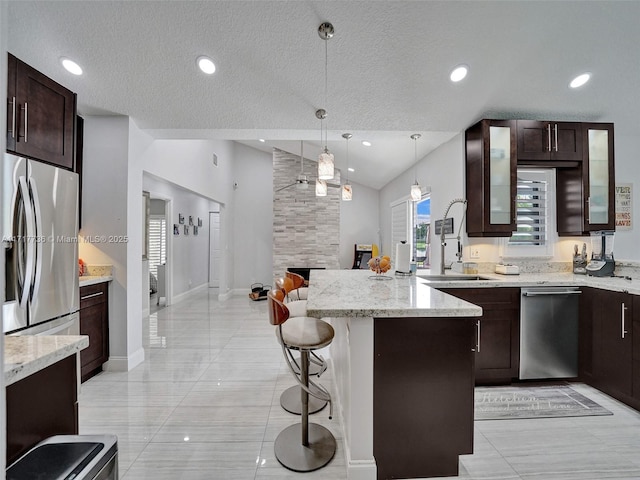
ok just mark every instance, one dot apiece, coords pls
pixel 422 232
pixel 534 214
pixel 157 242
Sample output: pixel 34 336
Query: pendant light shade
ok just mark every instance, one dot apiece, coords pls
pixel 325 159
pixel 347 191
pixel 325 165
pixel 416 190
pixel 321 188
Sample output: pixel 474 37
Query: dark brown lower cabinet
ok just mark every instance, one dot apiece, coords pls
pixel 94 322
pixel 636 352
pixel 497 332
pixel 42 405
pixel 422 395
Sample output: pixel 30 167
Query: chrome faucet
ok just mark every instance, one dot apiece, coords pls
pixel 442 230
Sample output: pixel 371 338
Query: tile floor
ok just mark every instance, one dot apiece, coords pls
pixel 205 405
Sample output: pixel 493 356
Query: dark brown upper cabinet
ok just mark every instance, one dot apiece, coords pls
pixel 598 177
pixel 540 141
pixel 40 116
pixel 490 172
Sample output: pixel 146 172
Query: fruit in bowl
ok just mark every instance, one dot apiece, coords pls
pixel 380 264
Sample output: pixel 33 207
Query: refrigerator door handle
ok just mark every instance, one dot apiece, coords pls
pixel 38 238
pixel 29 265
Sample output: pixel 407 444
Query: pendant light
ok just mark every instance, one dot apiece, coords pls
pixel 416 190
pixel 325 159
pixel 347 191
pixel 321 188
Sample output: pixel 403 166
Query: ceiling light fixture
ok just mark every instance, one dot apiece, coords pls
pixel 416 190
pixel 580 80
pixel 206 65
pixel 366 143
pixel 71 66
pixel 347 190
pixel 321 188
pixel 351 169
pixel 325 160
pixel 459 73
pixel 261 140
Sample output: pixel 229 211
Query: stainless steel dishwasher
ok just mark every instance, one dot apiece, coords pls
pixel 549 332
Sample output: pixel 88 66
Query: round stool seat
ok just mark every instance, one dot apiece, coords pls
pixel 306 333
pixel 297 308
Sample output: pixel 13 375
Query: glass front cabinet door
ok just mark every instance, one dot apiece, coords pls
pixel 490 178
pixel 598 177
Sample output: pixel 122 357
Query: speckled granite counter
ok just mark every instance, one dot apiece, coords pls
pixel 87 280
pixel 25 355
pixel 352 293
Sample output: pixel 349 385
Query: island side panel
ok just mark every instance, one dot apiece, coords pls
pixel 352 363
pixel 42 405
pixel 423 395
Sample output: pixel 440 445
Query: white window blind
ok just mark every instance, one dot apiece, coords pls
pixel 399 226
pixel 157 242
pixel 531 210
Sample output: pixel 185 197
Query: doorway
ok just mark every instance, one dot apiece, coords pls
pixel 157 252
pixel 214 249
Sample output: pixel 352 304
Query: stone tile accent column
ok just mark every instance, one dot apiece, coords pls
pixel 306 228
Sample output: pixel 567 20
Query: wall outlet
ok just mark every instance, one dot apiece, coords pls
pixel 475 252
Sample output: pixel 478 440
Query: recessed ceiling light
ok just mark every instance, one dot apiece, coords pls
pixel 206 65
pixel 459 73
pixel 580 80
pixel 351 169
pixel 71 66
pixel 261 140
pixel 366 144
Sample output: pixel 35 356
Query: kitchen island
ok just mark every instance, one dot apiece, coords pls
pixel 41 379
pixel 402 359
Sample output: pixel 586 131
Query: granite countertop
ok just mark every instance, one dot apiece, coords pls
pixel 618 284
pixel 25 355
pixel 86 280
pixel 351 293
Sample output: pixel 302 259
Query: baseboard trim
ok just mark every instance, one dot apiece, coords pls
pixel 184 295
pixel 124 364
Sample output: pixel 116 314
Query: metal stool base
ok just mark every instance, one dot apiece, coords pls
pixel 293 455
pixel 290 401
pixel 314 369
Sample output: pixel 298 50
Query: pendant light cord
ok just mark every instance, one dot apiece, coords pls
pixel 326 82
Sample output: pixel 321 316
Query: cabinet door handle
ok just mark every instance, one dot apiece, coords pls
pixel 26 121
pixel 555 130
pixel 589 210
pixel 13 117
pixel 624 332
pixel 478 342
pixel 92 295
pixel 549 136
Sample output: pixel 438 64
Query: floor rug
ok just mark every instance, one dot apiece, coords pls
pixel 513 402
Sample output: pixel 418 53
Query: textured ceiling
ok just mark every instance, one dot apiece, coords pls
pixel 388 67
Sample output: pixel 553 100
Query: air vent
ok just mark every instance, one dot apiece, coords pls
pixel 215 160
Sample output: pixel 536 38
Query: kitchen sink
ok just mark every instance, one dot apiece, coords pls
pixel 453 278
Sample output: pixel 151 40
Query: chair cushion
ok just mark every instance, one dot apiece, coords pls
pixel 305 332
pixel 297 308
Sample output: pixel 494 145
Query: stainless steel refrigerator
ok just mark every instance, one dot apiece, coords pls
pixel 39 238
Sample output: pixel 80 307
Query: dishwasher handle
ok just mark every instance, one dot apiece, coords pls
pixel 556 292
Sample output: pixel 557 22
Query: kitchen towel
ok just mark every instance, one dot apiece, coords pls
pixel 403 258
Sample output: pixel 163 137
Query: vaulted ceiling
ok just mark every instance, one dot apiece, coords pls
pixel 387 70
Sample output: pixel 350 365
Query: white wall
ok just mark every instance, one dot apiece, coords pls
pixel 358 222
pixel 253 217
pixel 189 164
pixel 627 171
pixel 111 196
pixel 443 172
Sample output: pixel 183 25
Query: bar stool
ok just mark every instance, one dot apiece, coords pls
pixel 290 398
pixel 304 446
pixel 299 289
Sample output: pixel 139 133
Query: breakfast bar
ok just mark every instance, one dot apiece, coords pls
pixel 402 359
